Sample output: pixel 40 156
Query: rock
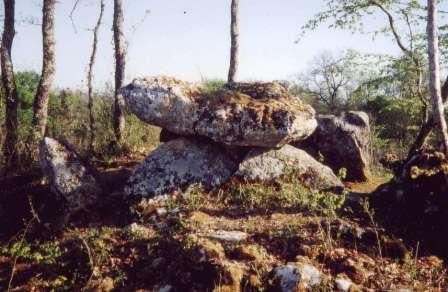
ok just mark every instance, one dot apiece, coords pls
pixel 295 275
pixel 229 117
pixel 70 179
pixel 178 164
pixel 343 285
pixel 166 288
pixel 344 143
pixel 266 165
pixel 229 236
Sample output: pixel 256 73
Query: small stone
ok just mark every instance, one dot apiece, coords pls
pixel 229 236
pixel 166 288
pixel 295 275
pixel 161 212
pixel 343 285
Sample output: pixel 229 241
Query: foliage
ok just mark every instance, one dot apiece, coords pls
pixel 212 85
pixel 287 193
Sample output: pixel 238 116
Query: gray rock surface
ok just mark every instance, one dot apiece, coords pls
pixel 265 165
pixel 70 179
pixel 293 275
pixel 226 116
pixel 229 236
pixel 178 164
pixel 344 143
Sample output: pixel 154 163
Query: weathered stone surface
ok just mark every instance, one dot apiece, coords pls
pixel 226 116
pixel 296 276
pixel 265 165
pixel 70 179
pixel 344 143
pixel 178 164
pixel 229 236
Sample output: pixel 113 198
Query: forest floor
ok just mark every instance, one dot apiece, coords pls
pixel 180 244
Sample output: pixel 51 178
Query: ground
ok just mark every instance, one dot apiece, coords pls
pixel 120 246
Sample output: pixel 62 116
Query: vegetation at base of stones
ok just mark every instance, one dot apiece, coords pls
pixel 238 237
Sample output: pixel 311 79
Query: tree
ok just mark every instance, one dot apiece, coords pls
pixel 330 79
pixel 9 85
pixel 434 75
pixel 120 54
pixel 404 22
pixel 40 114
pixel 90 77
pixel 234 35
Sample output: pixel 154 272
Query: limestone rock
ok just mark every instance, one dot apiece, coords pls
pixel 295 275
pixel 226 116
pixel 344 143
pixel 70 179
pixel 178 164
pixel 229 236
pixel 264 165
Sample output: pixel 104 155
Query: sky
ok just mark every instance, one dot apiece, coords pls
pixel 188 39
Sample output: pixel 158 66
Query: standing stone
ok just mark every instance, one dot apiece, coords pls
pixel 344 143
pixel 265 165
pixel 227 116
pixel 177 164
pixel 70 179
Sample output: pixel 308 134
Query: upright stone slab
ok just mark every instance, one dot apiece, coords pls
pixel 70 179
pixel 266 165
pixel 177 164
pixel 344 143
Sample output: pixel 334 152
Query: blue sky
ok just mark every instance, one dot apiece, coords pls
pixel 191 45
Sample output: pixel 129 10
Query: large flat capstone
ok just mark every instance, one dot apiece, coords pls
pixel 226 116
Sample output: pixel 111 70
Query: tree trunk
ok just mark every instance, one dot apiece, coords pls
pixel 234 35
pixel 434 76
pixel 40 115
pixel 90 78
pixel 120 54
pixel 9 86
pixel 426 128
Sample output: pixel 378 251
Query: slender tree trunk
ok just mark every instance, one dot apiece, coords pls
pixel 434 75
pixel 234 35
pixel 40 115
pixel 90 78
pixel 426 129
pixel 120 55
pixel 9 86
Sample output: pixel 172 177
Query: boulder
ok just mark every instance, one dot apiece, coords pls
pixel 265 165
pixel 344 143
pixel 177 164
pixel 70 179
pixel 226 116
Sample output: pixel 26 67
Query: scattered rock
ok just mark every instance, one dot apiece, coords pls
pixel 70 179
pixel 228 117
pixel 178 164
pixel 343 284
pixel 229 236
pixel 297 275
pixel 344 143
pixel 266 165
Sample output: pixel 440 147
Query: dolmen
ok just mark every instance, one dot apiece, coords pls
pixel 247 131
